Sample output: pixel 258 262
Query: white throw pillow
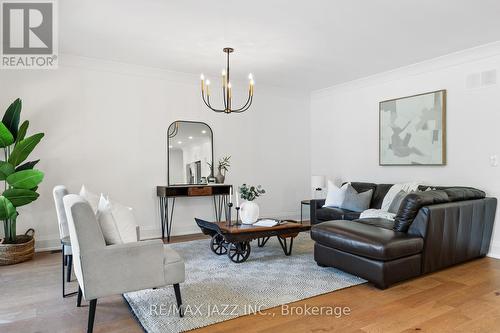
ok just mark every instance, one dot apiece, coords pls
pixel 107 222
pixel 335 196
pixel 394 190
pixel 117 222
pixel 125 222
pixel 92 198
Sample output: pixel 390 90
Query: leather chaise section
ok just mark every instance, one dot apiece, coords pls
pixel 380 273
pixel 366 240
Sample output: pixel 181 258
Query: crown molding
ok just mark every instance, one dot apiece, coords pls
pixel 446 61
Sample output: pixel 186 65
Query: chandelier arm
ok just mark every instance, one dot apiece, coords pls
pixel 246 105
pixel 207 103
pixel 246 108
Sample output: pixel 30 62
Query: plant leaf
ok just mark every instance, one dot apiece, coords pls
pixel 6 138
pixel 22 131
pixel 20 197
pixel 11 117
pixel 24 148
pixel 27 165
pixel 7 209
pixel 25 179
pixel 6 169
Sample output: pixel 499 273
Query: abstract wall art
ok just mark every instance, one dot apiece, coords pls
pixel 412 130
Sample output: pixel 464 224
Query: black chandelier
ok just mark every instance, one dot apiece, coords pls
pixel 227 92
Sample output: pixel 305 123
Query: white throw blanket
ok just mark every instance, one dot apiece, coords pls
pixel 377 213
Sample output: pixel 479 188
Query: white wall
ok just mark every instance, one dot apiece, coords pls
pixel 106 124
pixel 344 125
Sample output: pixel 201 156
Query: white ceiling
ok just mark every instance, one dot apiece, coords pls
pixel 308 44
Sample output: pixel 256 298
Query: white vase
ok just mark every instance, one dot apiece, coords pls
pixel 249 212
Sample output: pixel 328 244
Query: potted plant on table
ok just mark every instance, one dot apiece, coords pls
pixel 249 210
pixel 21 181
pixel 223 167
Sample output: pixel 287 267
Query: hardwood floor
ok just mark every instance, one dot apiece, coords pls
pixel 464 298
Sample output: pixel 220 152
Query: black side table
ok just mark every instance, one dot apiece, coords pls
pixel 303 203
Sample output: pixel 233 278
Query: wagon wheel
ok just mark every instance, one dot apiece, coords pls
pixel 238 252
pixel 218 245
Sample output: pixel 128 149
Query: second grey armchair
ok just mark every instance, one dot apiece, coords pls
pixel 67 256
pixel 116 269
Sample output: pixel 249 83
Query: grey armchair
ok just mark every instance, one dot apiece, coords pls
pixel 67 255
pixel 115 269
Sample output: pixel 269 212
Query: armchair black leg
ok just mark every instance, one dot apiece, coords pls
pixel 69 265
pixel 90 325
pixel 79 297
pixel 63 264
pixel 177 290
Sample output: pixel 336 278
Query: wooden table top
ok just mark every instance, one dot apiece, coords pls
pixel 248 228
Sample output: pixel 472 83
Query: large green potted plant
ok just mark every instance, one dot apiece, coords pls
pixel 20 182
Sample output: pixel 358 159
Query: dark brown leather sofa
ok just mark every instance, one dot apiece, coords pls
pixel 432 230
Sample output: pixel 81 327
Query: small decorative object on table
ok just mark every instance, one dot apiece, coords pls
pixel 249 209
pixel 222 168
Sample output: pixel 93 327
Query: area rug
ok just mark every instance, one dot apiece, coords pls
pixel 217 289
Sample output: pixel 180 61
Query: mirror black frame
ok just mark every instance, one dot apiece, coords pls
pixel 168 149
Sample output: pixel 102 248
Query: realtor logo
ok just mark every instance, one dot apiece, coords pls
pixel 28 34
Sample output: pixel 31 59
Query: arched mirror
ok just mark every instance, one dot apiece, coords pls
pixel 190 153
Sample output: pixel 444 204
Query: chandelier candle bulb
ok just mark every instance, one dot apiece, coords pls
pixel 207 86
pixel 224 78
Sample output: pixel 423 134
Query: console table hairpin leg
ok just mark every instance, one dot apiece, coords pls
pixel 166 215
pixel 167 212
pixel 220 205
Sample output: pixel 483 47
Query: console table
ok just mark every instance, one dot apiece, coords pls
pixel 167 194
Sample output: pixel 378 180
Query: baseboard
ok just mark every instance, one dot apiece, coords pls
pixel 494 251
pixel 42 245
pixel 53 243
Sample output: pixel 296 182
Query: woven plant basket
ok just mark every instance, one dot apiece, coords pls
pixel 23 250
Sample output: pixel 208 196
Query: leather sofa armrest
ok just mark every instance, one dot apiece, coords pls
pixel 412 204
pixel 315 204
pixel 454 232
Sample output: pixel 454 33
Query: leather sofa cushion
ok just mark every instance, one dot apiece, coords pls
pixel 464 193
pixel 366 240
pixel 379 195
pixel 411 205
pixel 331 213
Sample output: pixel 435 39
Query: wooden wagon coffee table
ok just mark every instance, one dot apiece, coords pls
pixel 234 240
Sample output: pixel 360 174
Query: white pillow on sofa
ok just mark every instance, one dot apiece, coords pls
pixel 336 195
pixel 117 222
pixel 394 190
